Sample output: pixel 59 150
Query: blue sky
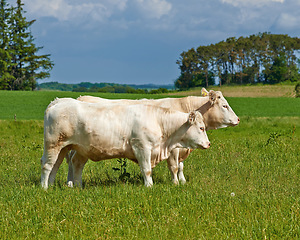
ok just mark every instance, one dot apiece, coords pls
pixel 139 41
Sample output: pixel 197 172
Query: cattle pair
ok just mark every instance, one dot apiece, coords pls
pixel 145 131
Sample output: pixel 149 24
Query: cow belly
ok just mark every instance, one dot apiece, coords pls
pixel 98 154
pixel 157 156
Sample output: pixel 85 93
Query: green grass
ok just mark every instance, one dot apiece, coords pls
pixel 258 161
pixel 265 107
pixel 31 105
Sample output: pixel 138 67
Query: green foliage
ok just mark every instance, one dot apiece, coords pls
pixel 106 87
pixel 265 57
pixel 124 175
pixel 159 91
pixel 20 65
pixel 297 89
pixel 187 81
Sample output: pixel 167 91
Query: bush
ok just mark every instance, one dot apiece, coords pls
pixel 297 89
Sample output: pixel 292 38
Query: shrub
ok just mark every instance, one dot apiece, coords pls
pixel 297 89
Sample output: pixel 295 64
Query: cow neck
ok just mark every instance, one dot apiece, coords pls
pixel 193 103
pixel 205 108
pixel 173 138
pixel 170 121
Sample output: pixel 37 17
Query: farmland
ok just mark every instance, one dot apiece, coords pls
pixel 246 186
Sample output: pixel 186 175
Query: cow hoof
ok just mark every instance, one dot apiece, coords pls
pixel 149 185
pixel 70 184
pixel 182 181
pixel 175 182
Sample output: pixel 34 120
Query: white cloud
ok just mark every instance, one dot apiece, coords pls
pixel 65 10
pixel 238 3
pixel 154 8
pixel 288 21
pixel 70 10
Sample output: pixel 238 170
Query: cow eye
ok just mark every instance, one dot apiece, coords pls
pixel 202 129
pixel 225 106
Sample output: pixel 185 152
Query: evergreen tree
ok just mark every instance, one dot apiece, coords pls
pixel 5 76
pixel 20 66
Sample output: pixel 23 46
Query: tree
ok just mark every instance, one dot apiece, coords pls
pixel 263 57
pixel 5 76
pixel 205 63
pixel 21 66
pixel 280 71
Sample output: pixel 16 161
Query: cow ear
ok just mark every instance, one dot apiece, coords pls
pixel 212 96
pixel 192 118
pixel 204 92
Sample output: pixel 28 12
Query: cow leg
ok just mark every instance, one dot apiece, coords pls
pixel 70 178
pixel 143 155
pixel 77 164
pixel 183 154
pixel 69 157
pixel 47 162
pixel 146 170
pixel 180 173
pixel 57 164
pixel 173 165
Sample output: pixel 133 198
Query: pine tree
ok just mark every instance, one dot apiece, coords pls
pixel 24 65
pixel 5 76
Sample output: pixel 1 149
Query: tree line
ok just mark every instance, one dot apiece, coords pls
pixel 20 66
pixel 260 58
pixel 106 87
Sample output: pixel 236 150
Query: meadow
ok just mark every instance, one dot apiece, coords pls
pixel 246 186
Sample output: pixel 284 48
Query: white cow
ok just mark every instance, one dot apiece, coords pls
pixel 143 133
pixel 215 110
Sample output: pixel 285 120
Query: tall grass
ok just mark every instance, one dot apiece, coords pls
pixel 246 186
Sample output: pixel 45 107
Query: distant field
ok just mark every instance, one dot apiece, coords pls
pixel 31 105
pixel 254 91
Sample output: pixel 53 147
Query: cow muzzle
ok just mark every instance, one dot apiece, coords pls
pixel 205 146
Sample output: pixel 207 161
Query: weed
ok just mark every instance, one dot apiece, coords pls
pixel 273 138
pixel 124 175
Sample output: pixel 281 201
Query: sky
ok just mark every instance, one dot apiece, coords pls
pixel 139 41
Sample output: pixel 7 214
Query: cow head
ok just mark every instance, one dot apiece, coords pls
pixel 216 112
pixel 195 136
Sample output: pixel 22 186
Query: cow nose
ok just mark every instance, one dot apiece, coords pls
pixel 208 145
pixel 238 120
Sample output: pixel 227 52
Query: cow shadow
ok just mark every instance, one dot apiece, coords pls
pixel 110 181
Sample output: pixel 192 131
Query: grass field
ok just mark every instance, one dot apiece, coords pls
pixel 246 186
pixel 253 91
pixel 31 105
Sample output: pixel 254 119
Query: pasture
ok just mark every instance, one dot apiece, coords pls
pixel 254 91
pixel 246 186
